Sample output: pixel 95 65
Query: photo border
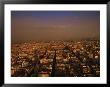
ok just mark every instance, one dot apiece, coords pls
pixel 59 7
pixel 2 3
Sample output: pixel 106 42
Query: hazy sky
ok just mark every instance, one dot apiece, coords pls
pixel 54 25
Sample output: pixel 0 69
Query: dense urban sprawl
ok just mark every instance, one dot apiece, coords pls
pixel 56 59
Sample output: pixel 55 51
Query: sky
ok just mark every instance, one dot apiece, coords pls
pixel 54 25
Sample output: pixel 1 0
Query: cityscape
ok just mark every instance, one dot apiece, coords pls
pixel 55 44
pixel 56 58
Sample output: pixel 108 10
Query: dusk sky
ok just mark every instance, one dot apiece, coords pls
pixel 54 25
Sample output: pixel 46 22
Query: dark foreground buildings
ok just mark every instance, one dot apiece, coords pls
pixel 56 59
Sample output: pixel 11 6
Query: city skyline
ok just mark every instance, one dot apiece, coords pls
pixel 55 43
pixel 54 25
